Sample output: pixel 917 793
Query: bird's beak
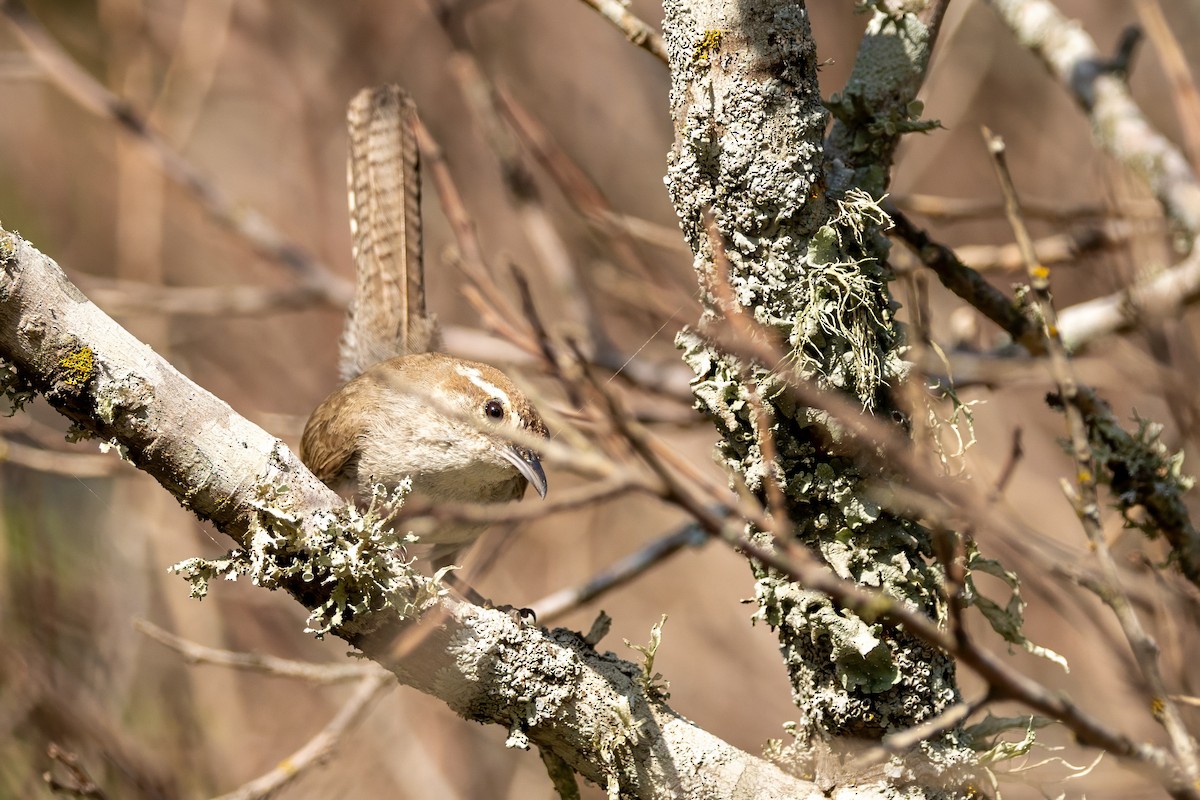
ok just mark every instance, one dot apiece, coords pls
pixel 527 463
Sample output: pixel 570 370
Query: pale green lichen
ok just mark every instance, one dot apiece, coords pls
pixel 1007 620
pixel 879 102
pixel 985 736
pixel 951 434
pixel 1146 479
pixel 514 676
pixel 354 561
pixel 653 684
pixel 614 742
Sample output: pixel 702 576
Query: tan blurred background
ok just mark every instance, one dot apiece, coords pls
pixel 252 93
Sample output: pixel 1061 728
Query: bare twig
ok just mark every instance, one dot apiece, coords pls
pixel 255 229
pixel 637 31
pixel 195 653
pixel 479 92
pixel 1175 64
pixel 954 209
pixel 1015 453
pixel 966 282
pixel 321 747
pixel 1087 504
pixel 562 777
pixel 78 783
pixel 631 567
pixel 58 462
pixel 134 297
pixel 1123 131
pixel 584 194
pixel 1062 248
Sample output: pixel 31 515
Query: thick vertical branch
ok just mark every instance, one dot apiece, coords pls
pixel 805 259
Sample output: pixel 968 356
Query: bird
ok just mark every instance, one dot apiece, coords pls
pixel 457 429
pixel 444 423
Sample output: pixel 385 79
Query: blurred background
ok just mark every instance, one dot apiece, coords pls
pixel 251 95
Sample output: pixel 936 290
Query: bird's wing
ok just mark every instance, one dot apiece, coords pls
pixel 329 446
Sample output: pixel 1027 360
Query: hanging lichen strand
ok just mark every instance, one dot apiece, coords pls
pixel 806 260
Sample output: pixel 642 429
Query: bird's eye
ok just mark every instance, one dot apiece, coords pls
pixel 494 409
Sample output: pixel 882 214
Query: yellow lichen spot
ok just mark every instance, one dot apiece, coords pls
pixel 1084 476
pixel 1156 706
pixel 78 367
pixel 1041 272
pixel 709 42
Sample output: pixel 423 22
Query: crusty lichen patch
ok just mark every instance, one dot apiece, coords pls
pixel 708 45
pixel 77 367
pixel 531 682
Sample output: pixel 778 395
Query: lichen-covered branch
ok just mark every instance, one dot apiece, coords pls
pixel 551 689
pixel 799 230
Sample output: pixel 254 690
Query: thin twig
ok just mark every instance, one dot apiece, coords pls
pixel 966 282
pixel 195 653
pixel 479 93
pixel 79 783
pixel 1060 248
pixel 635 30
pixel 487 296
pixel 1087 504
pixel 562 777
pixel 321 747
pixel 1123 131
pixel 90 94
pixel 58 462
pixel 955 209
pixel 1175 64
pixel 626 570
pixel 120 297
pixel 1015 453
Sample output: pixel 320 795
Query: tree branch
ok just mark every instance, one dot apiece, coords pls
pixel 549 688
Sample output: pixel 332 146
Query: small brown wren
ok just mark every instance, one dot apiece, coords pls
pixel 440 421
pixel 405 412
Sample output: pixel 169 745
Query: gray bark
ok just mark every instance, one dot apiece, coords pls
pixel 801 230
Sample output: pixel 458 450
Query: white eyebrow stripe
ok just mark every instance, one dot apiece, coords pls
pixel 475 377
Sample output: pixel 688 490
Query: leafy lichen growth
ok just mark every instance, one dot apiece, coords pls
pixel 15 388
pixel 653 683
pixel 354 561
pixel 1146 479
pixel 1009 620
pixel 874 132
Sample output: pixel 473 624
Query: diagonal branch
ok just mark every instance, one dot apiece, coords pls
pixel 549 688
